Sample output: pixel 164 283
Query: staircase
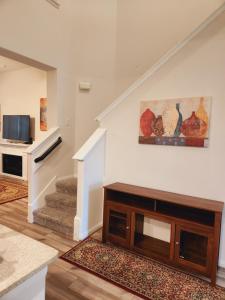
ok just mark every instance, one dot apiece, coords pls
pixel 60 209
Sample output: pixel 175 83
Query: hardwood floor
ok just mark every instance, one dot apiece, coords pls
pixel 64 281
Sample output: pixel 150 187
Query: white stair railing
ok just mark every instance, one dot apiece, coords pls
pixel 90 174
pixel 41 175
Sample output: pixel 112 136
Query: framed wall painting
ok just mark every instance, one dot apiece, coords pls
pixel 43 114
pixel 175 122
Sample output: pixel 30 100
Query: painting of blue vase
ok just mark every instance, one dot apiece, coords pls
pixel 177 131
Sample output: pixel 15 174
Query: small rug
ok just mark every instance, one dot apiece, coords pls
pixel 139 275
pixel 10 191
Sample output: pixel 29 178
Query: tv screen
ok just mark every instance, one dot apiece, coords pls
pixel 16 127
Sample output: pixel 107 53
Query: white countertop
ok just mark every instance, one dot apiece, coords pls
pixel 20 258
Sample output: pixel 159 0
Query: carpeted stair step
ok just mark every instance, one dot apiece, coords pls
pixel 55 219
pixel 61 200
pixel 67 185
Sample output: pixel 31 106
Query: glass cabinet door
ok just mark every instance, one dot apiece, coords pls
pixel 118 225
pixel 193 248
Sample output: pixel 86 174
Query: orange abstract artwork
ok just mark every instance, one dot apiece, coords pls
pixel 175 122
pixel 43 114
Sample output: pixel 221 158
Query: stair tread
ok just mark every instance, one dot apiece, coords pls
pixel 61 201
pixel 61 197
pixel 56 215
pixel 67 185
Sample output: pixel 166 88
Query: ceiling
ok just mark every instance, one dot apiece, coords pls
pixel 7 64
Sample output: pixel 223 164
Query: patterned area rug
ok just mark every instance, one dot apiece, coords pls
pixel 10 191
pixel 139 275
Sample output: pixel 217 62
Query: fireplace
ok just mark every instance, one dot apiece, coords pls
pixel 12 164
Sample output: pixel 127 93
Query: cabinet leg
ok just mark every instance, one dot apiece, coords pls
pixel 216 243
pixel 214 276
pixel 213 281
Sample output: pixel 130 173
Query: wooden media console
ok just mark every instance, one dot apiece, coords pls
pixel 179 230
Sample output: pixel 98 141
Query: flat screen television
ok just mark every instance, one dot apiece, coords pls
pixel 16 128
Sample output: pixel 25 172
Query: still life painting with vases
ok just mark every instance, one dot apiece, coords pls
pixel 175 122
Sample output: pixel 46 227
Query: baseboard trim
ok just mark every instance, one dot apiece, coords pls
pixel 50 187
pixel 76 229
pixel 95 228
pixel 221 264
pixel 81 235
pixel 221 273
pixel 40 199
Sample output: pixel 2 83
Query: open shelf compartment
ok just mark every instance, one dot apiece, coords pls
pixel 130 200
pixel 186 213
pixel 147 239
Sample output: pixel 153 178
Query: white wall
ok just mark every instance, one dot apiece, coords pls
pixel 37 30
pixel 80 40
pixel 157 229
pixel 198 70
pixel 147 29
pixel 20 93
pixel 95 30
pixel 117 41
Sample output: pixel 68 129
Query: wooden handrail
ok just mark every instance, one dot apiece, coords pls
pixel 49 150
pixel 37 146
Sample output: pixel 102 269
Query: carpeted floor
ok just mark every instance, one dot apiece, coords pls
pixel 139 275
pixel 10 191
